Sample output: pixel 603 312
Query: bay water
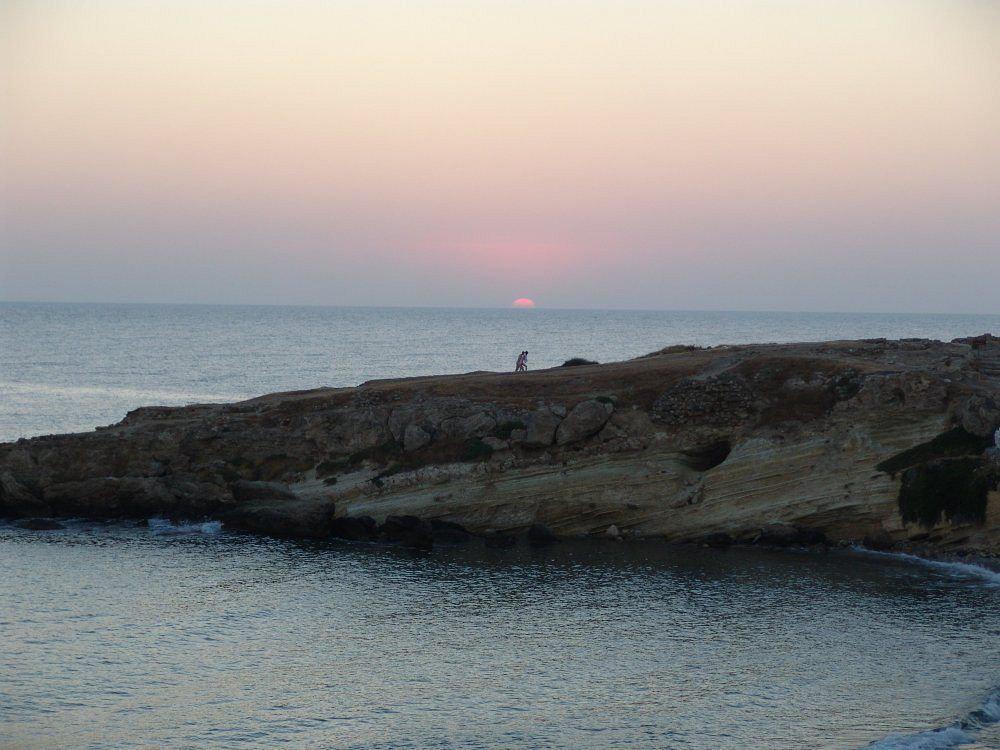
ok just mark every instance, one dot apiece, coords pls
pixel 187 635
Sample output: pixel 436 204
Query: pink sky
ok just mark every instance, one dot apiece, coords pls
pixel 803 154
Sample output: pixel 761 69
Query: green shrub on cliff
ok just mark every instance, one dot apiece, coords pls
pixel 955 488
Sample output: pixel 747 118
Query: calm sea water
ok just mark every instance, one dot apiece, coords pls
pixel 73 367
pixel 169 636
pixel 120 637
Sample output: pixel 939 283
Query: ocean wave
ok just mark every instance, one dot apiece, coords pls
pixel 958 569
pixel 166 527
pixel 961 732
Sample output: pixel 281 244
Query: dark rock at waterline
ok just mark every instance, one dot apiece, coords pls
pixel 39 524
pixel 407 531
pixel 354 528
pixel 540 535
pixel 16 500
pixel 246 491
pixel 879 541
pixel 448 532
pixel 394 526
pixel 311 521
pixel 717 541
pixel 786 535
pixel 500 541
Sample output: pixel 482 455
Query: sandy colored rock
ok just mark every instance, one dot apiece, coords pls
pixel 686 444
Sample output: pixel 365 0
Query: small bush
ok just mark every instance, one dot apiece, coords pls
pixel 955 488
pixel 605 400
pixel 956 442
pixel 578 361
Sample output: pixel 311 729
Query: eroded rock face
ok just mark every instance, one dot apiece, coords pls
pixel 717 400
pixel 540 430
pixel 586 419
pixel 885 440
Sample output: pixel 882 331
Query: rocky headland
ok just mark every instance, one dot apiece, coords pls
pixel 887 443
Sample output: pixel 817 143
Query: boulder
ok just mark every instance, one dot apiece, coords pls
pixel 497 540
pixel 786 535
pixel 980 415
pixel 245 491
pixel 879 541
pixel 717 541
pixel 474 426
pixel 585 419
pixel 357 430
pixel 495 443
pixel 540 429
pixel 16 499
pixel 354 528
pixel 415 438
pixel 110 497
pixel 408 531
pixel 448 532
pixel 289 519
pixel 540 535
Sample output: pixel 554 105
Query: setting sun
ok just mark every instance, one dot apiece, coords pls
pixel 523 302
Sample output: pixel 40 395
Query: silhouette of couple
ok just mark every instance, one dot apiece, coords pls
pixel 522 362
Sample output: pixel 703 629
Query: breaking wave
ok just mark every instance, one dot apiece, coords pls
pixel 958 569
pixel 166 527
pixel 962 732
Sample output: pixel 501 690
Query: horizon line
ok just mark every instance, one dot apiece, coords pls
pixel 537 308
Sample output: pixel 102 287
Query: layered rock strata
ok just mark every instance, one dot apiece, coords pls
pixel 893 441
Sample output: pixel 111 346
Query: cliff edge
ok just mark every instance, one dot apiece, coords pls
pixel 890 441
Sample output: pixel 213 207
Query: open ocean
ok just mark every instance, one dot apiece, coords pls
pixel 72 367
pixel 189 636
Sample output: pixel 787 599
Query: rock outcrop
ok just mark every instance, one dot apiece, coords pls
pixel 891 441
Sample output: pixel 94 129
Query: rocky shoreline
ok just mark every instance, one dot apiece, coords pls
pixel 890 444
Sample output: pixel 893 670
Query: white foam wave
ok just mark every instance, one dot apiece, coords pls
pixel 935 739
pixel 962 732
pixel 958 569
pixel 165 527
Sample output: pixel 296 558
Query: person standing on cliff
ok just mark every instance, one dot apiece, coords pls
pixel 520 365
pixel 524 361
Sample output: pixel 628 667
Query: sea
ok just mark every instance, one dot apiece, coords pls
pixel 189 635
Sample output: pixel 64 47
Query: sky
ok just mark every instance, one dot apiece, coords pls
pixel 839 155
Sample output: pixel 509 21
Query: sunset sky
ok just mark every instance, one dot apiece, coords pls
pixel 769 155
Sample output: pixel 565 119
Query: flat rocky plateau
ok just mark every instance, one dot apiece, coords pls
pixel 889 443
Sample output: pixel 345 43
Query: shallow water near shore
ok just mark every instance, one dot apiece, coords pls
pixel 118 636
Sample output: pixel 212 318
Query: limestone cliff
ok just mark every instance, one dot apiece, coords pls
pixel 893 441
